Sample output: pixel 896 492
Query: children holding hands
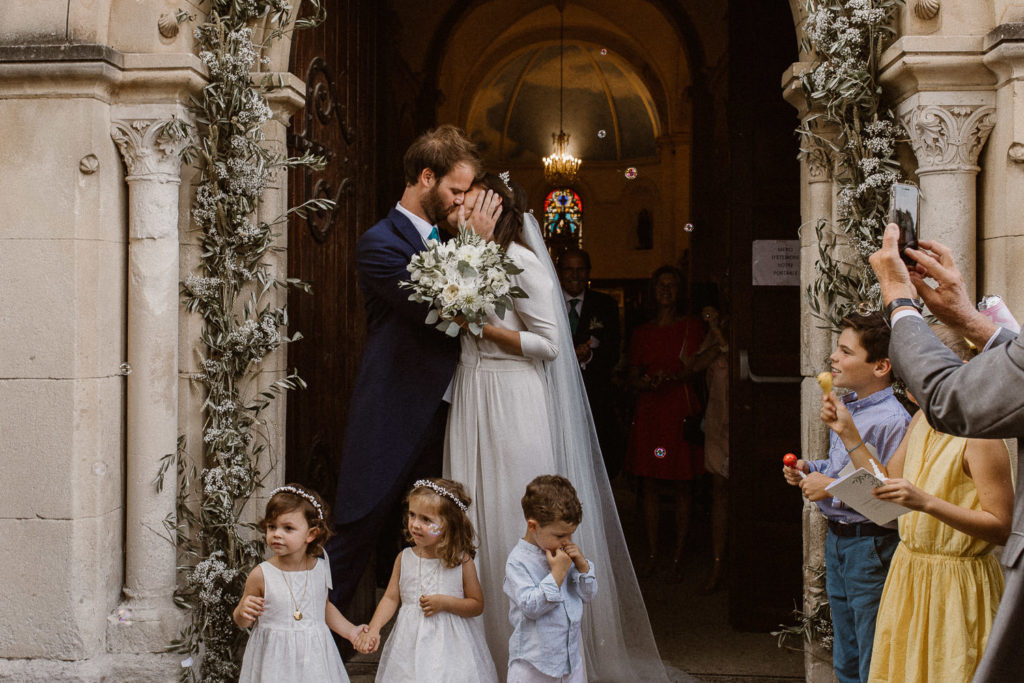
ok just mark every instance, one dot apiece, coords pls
pixel 857 551
pixel 435 589
pixel 286 597
pixel 547 580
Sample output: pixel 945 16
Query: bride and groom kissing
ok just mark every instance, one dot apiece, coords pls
pixel 491 411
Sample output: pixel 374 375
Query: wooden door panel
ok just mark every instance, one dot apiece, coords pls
pixel 763 197
pixel 337 62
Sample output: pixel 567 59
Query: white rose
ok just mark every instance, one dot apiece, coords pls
pixel 450 294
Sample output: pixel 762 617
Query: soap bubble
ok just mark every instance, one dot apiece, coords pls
pixel 433 529
pixel 125 369
pixel 659 453
pixel 601 133
pixel 688 227
pixel 631 173
pixel 604 51
pixel 99 468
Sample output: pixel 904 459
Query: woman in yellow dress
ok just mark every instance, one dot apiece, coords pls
pixel 944 585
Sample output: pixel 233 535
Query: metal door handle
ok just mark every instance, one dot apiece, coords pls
pixel 746 373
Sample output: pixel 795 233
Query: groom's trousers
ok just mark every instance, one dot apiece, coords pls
pixel 353 543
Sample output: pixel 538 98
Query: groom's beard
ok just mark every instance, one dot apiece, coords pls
pixel 437 212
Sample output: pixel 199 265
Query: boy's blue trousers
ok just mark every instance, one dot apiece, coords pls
pixel 855 571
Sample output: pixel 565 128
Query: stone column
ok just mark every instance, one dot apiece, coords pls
pixel 153 163
pixel 947 131
pixel 816 192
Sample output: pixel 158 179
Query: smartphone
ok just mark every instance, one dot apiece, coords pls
pixel 904 209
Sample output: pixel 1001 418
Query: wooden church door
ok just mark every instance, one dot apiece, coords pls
pixel 337 61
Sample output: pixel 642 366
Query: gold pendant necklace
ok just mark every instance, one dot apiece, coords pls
pixel 297 614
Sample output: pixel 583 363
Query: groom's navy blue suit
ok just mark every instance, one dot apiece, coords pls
pixel 397 406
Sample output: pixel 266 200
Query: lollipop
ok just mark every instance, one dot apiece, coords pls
pixel 825 380
pixel 790 460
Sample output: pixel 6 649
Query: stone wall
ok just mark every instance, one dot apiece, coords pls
pixel 955 79
pixel 90 248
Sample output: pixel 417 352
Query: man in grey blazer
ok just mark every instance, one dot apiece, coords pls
pixel 982 399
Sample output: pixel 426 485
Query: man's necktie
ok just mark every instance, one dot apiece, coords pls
pixel 434 234
pixel 574 315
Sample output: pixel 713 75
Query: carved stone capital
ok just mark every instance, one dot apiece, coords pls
pixel 818 158
pixel 948 138
pixel 150 150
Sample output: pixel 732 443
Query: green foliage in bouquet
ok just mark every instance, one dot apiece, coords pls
pixel 467 277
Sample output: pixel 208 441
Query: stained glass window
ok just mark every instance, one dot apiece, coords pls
pixel 563 216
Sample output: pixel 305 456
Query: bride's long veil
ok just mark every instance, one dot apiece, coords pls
pixel 617 637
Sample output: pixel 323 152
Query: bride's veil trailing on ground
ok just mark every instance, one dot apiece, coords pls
pixel 617 637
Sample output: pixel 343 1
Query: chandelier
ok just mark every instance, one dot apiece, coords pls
pixel 561 167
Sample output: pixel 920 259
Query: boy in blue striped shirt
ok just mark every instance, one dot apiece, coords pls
pixel 857 552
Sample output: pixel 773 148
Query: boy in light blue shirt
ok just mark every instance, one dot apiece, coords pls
pixel 857 551
pixel 547 580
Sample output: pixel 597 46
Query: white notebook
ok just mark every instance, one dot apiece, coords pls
pixel 855 490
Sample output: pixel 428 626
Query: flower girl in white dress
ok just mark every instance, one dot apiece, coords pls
pixel 286 598
pixel 438 635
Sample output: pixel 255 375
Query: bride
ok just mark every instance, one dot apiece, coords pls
pixel 519 410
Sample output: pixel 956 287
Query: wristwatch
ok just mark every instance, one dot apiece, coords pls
pixel 899 303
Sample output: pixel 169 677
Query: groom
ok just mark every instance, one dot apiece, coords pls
pixel 397 415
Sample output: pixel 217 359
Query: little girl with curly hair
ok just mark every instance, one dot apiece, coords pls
pixel 437 636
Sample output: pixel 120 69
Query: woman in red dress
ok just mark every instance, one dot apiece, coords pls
pixel 660 356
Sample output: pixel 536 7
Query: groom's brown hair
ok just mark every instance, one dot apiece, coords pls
pixel 439 150
pixel 550 498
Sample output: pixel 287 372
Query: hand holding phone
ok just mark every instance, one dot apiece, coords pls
pixel 904 209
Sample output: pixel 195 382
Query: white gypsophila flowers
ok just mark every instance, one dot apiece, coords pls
pixel 210 576
pixel 203 287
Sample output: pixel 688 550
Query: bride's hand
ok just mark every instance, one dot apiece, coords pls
pixel 483 215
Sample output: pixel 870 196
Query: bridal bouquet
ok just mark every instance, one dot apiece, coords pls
pixel 466 276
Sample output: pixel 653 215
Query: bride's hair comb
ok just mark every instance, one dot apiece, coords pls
pixel 507 179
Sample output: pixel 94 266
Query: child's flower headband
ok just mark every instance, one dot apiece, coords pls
pixel 441 491
pixel 301 494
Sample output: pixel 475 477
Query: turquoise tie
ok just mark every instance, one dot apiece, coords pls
pixel 434 234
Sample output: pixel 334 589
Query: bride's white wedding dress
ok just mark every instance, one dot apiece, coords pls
pixel 516 417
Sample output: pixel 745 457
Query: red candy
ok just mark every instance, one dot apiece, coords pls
pixel 789 460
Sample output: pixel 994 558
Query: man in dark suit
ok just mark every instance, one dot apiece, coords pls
pixel 397 415
pixel 980 399
pixel 594 320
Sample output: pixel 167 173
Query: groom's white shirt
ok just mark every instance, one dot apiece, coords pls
pixel 424 229
pixel 422 226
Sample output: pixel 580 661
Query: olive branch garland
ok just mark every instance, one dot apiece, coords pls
pixel 854 134
pixel 842 88
pixel 235 292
